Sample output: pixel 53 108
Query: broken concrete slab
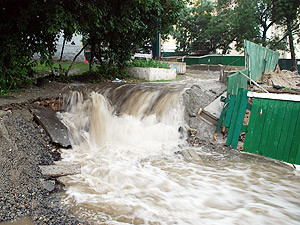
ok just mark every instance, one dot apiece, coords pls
pixel 214 109
pixel 60 170
pixel 54 128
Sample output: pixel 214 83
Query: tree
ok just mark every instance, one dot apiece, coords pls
pixel 192 29
pixel 207 27
pixel 285 13
pixel 116 27
pixel 119 33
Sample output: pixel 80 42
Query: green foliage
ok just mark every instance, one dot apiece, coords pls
pixel 205 27
pixel 148 63
pixel 105 71
pixel 120 33
pixel 192 29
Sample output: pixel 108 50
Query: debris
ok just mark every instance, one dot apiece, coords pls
pixel 191 155
pixel 192 132
pixel 254 82
pixel 60 170
pixel 54 128
pixel 117 80
pixel 199 112
pixel 214 109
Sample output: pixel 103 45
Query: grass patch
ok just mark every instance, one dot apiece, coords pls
pixel 81 67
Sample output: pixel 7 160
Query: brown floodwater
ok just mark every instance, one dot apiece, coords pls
pixel 132 172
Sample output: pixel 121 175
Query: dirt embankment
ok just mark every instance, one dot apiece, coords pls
pixel 23 146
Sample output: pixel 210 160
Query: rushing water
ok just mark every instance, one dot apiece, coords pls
pixel 132 172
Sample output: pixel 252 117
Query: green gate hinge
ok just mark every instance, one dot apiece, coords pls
pixel 249 106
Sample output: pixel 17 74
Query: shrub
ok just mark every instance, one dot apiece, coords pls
pixel 148 63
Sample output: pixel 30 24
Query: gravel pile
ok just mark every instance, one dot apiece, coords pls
pixel 22 149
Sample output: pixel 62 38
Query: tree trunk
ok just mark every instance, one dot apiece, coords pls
pixel 92 57
pixel 264 37
pixel 61 56
pixel 76 56
pixel 292 48
pixel 51 61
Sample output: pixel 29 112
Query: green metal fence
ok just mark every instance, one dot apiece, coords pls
pixel 274 129
pixel 232 116
pixel 259 60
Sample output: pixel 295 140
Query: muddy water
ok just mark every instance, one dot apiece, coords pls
pixel 132 171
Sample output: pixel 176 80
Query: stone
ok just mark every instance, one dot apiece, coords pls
pixel 49 185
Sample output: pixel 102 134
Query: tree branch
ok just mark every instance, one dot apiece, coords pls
pixel 76 56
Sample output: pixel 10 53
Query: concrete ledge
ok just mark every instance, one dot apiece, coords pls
pixel 152 74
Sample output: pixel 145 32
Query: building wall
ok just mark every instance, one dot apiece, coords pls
pixel 70 50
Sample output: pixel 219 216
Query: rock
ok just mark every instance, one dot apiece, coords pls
pixel 49 185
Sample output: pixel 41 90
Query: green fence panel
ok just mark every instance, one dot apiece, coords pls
pixel 266 127
pixel 252 122
pixel 214 60
pixel 274 129
pixel 269 149
pixel 234 116
pixel 276 132
pixel 236 81
pixel 259 59
pixel 240 119
pixel 284 131
pixel 229 112
pixel 296 142
pixel 259 125
pixel 290 133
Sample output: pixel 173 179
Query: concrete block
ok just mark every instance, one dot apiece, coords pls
pixel 214 109
pixel 180 67
pixel 60 170
pixel 152 74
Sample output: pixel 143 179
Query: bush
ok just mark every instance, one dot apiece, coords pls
pixel 111 72
pixel 148 63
